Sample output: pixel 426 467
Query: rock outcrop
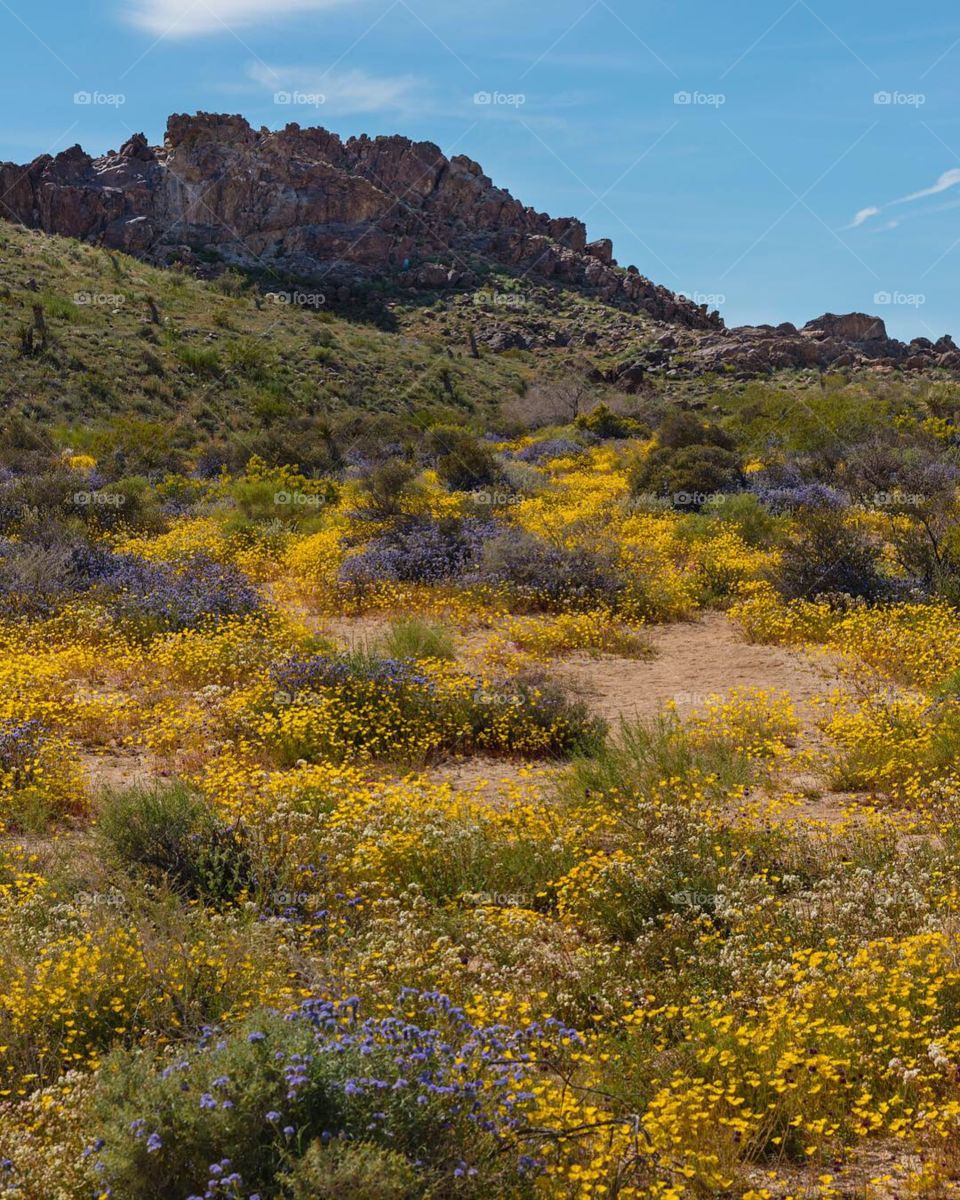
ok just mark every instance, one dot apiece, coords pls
pixel 826 342
pixel 302 203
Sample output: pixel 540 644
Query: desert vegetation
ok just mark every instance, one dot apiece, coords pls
pixel 319 877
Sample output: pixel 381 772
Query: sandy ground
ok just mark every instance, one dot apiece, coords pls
pixel 694 661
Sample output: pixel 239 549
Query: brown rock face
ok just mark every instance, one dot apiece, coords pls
pixel 851 327
pixel 301 203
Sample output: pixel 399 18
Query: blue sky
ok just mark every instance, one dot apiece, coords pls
pixel 781 158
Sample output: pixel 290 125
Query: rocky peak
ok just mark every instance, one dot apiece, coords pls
pixel 303 204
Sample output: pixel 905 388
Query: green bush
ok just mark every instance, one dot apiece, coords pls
pixel 603 423
pixel 689 475
pixel 643 753
pixel 169 832
pixel 344 1170
pixel 463 462
pixel 826 555
pixel 307 1106
pixel 202 360
pixel 385 488
pixel 418 639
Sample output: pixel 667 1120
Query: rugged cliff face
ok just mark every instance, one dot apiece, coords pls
pixel 302 203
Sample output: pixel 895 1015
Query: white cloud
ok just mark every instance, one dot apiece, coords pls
pixel 946 181
pixel 949 179
pixel 863 215
pixel 338 92
pixel 189 18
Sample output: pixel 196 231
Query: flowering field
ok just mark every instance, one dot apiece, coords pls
pixel 259 940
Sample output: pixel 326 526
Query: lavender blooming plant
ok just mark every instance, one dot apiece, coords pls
pixel 547 576
pixel 421 550
pixel 444 1095
pixel 20 742
pixel 155 597
pixel 539 452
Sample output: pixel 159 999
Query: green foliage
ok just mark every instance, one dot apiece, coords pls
pixel 743 512
pixel 825 555
pixel 642 754
pixel 344 1170
pixel 202 360
pixel 169 832
pixel 603 423
pixel 386 487
pixel 689 476
pixel 419 639
pixel 463 462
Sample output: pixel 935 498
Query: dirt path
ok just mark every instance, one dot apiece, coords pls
pixel 694 660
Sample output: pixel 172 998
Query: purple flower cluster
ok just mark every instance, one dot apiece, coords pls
pixel 539 452
pixel 548 575
pixel 19 743
pixel 421 550
pixel 426 1082
pixel 790 499
pixel 179 595
pixel 311 673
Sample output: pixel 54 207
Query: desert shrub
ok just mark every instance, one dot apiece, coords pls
pixel 419 550
pixel 689 475
pixel 417 639
pixel 385 488
pixel 463 462
pixel 542 575
pixel 358 705
pixel 149 597
pixel 745 513
pixel 825 555
pixel 422 1088
pixel 641 754
pixel 170 832
pixel 29 503
pixel 35 579
pixel 345 1170
pixel 543 451
pixel 780 498
pixel 286 497
pixel 603 423
pixel 201 360
pixel 250 357
pixel 680 429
